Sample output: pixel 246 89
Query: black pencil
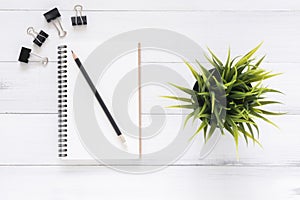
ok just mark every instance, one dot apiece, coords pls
pixel 98 97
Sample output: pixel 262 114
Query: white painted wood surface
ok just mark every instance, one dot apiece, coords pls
pixel 32 139
pixel 32 89
pixel 281 40
pixel 172 183
pixel 29 167
pixel 156 5
pixel 218 30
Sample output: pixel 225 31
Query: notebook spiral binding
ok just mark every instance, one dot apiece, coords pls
pixel 62 100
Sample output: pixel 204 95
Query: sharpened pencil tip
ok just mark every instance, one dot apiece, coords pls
pixel 74 55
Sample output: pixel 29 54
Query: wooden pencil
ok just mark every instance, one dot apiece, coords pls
pixel 140 99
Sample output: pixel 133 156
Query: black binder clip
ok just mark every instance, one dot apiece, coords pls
pixel 26 53
pixel 39 38
pixel 52 16
pixel 78 19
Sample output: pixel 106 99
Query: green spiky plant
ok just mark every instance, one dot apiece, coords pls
pixel 240 103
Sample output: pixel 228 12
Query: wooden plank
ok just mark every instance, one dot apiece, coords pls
pixel 28 88
pixel 211 183
pixel 33 89
pixel 32 139
pixel 29 139
pixel 287 83
pixel 240 30
pixel 280 146
pixel 155 5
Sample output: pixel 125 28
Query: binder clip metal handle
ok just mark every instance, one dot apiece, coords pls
pixel 26 53
pixel 44 60
pixel 53 16
pixel 78 19
pixel 59 28
pixel 78 9
pixel 39 38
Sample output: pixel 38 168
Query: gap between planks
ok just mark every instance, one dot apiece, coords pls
pixel 157 10
pixel 146 114
pixel 296 165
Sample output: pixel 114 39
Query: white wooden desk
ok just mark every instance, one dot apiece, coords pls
pixel 29 168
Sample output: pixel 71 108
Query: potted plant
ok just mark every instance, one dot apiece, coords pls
pixel 228 97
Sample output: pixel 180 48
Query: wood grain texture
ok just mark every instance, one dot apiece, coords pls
pixel 32 140
pixel 33 89
pixel 239 30
pixel 212 183
pixel 25 93
pixel 29 167
pixel 155 5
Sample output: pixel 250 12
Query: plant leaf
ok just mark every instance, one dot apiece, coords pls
pixel 203 124
pixel 182 106
pixel 245 58
pixel 178 98
pixel 186 90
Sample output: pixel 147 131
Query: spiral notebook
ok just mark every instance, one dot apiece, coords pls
pixel 70 145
